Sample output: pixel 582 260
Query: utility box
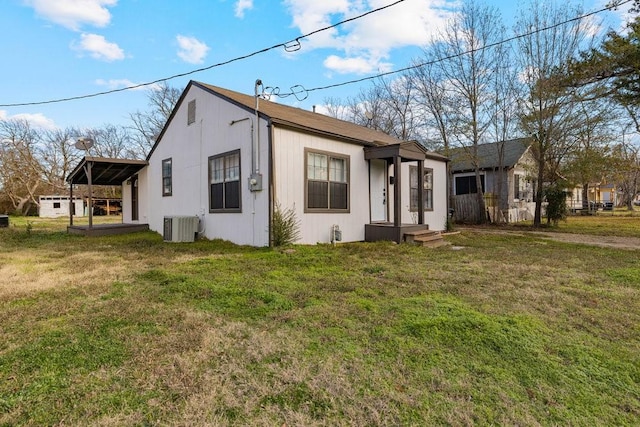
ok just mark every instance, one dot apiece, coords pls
pixel 180 228
pixel 4 220
pixel 255 182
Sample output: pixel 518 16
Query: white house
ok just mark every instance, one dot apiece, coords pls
pixel 56 206
pixel 229 159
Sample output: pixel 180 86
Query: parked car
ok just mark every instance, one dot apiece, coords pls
pixel 607 206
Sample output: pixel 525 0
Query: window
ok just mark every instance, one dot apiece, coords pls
pixel 427 189
pixel 327 182
pixel 56 205
pixel 167 186
pixel 191 112
pixel 224 182
pixel 516 186
pixel 467 184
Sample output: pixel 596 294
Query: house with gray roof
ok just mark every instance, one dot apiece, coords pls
pixel 515 172
pixel 226 161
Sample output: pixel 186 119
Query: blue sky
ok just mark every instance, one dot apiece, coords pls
pixel 55 49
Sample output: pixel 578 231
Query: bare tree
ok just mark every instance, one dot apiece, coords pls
pixel 467 66
pixel 547 110
pixel 336 108
pixel 430 94
pixel 111 142
pixel 21 173
pixel 626 171
pixel 504 115
pixel 387 106
pixel 591 158
pixel 58 156
pixel 431 101
pixel 147 125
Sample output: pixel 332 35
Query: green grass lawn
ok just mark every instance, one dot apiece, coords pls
pixel 128 330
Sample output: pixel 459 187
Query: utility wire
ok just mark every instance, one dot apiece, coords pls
pixel 289 46
pixel 435 61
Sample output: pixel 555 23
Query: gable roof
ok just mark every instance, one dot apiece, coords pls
pixel 292 117
pixel 304 119
pixel 487 158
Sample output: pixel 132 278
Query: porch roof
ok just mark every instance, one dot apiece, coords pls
pixel 105 171
pixel 407 151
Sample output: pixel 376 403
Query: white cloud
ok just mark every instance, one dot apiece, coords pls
pixel 99 48
pixel 366 42
pixel 357 64
pixel 191 49
pixel 73 14
pixel 37 120
pixel 242 6
pixel 123 83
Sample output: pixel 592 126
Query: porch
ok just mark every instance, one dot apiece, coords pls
pixel 389 231
pixel 393 156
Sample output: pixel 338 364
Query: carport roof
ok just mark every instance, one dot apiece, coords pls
pixel 105 171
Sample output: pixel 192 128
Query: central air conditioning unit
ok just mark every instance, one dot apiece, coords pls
pixel 180 228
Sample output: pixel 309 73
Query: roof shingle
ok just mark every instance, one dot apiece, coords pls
pixel 488 155
pixel 306 120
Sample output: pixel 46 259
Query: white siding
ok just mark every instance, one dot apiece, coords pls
pixel 58 206
pixel 289 151
pixel 189 147
pixel 437 217
pixel 211 134
pixel 143 199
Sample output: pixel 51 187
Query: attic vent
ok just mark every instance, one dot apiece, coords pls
pixel 191 112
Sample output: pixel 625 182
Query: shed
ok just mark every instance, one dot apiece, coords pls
pixel 56 206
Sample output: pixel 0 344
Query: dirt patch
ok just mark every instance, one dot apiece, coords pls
pixel 629 243
pixel 604 241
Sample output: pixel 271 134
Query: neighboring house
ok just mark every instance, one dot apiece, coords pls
pixel 603 194
pixel 575 201
pixel 515 200
pixel 56 206
pixel 229 159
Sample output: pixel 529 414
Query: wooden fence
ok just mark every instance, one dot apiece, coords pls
pixel 467 210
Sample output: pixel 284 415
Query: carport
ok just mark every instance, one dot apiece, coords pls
pixel 102 171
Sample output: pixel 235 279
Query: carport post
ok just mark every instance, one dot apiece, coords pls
pixel 87 170
pixel 71 206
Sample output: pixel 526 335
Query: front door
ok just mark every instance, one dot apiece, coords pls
pixel 134 198
pixel 378 190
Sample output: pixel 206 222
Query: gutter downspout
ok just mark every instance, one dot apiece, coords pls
pixel 272 193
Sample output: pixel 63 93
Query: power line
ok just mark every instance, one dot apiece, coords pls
pixel 289 46
pixel 613 5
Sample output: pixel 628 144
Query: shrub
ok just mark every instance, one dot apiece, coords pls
pixel 557 203
pixel 285 226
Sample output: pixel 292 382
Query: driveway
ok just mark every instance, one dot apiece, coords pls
pixel 629 243
pixel 605 241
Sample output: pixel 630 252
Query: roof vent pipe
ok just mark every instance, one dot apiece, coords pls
pixel 258 92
